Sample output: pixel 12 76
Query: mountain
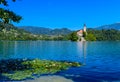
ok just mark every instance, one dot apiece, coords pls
pixel 111 26
pixel 46 31
pixel 8 27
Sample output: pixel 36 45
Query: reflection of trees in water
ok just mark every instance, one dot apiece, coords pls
pixel 6 49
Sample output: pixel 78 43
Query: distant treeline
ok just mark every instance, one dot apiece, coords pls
pixel 10 32
pixel 104 35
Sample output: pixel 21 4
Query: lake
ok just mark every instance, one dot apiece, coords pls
pixel 101 60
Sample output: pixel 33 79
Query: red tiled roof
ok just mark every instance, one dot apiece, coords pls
pixel 80 32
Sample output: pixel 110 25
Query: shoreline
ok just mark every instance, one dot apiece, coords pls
pixel 50 78
pixel 18 70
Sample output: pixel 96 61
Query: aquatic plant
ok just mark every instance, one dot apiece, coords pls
pixel 29 68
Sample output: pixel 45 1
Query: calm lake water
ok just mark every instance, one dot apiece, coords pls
pixel 101 59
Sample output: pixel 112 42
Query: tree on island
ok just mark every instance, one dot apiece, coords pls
pixel 73 36
pixel 90 37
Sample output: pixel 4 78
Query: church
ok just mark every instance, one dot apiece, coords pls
pixel 81 32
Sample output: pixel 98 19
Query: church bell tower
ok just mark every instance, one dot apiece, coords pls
pixel 84 28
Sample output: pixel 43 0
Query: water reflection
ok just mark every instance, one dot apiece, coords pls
pixel 82 49
pixel 56 50
pixel 6 49
pixel 84 52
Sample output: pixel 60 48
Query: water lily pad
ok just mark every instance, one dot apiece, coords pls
pixel 29 68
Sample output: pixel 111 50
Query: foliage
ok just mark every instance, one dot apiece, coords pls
pixel 104 35
pixel 10 32
pixel 19 75
pixel 73 36
pixel 16 35
pixel 4 2
pixel 84 34
pixel 29 68
pixel 90 37
pixel 7 16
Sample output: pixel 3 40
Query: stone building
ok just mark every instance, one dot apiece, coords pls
pixel 81 32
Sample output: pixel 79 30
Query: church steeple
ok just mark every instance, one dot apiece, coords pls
pixel 84 28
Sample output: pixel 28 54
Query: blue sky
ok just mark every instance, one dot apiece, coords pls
pixel 67 13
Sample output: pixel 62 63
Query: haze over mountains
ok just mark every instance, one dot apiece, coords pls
pixel 63 31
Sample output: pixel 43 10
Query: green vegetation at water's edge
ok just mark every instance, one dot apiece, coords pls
pixel 98 35
pixel 90 37
pixel 10 32
pixel 104 34
pixel 73 36
pixel 22 69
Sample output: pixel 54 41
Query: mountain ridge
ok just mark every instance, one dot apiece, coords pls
pixel 63 31
pixel 46 31
pixel 109 26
